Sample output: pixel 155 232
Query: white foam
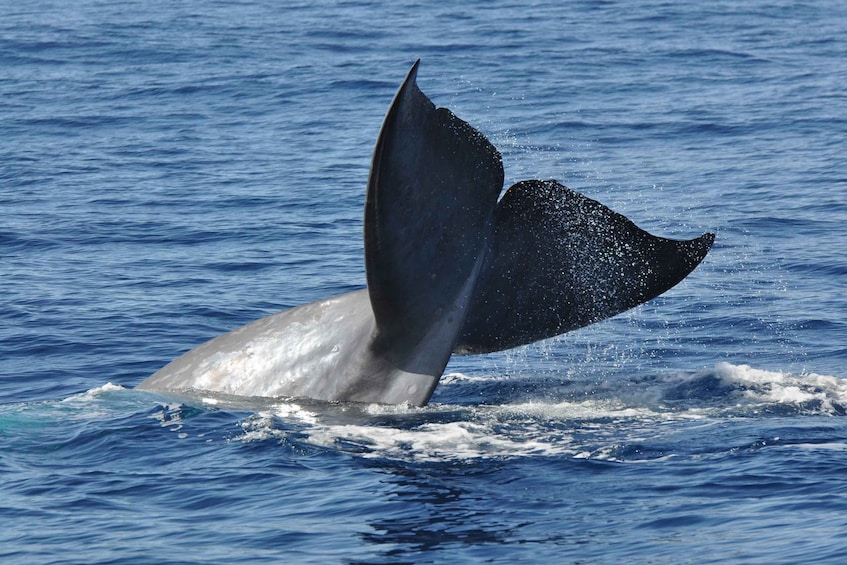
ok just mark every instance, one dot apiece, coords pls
pixel 94 393
pixel 88 405
pixel 436 441
pixel 259 428
pixel 387 409
pixel 460 433
pixel 456 378
pixel 828 393
pixel 263 425
pixel 582 410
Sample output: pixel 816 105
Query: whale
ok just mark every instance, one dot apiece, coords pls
pixel 451 267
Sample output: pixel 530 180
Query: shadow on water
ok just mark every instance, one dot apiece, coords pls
pixel 433 507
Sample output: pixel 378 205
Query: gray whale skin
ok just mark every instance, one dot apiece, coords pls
pixel 450 269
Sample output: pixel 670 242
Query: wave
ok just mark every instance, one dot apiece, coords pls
pixel 744 390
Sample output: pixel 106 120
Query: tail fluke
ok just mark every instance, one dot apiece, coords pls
pixel 559 261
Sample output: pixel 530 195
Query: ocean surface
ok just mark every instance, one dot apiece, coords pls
pixel 172 170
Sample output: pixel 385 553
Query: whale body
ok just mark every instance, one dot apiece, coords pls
pixel 450 268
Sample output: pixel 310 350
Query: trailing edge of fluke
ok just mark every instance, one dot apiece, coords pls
pixel 449 269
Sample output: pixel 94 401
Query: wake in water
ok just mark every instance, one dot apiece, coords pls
pixel 591 422
pixel 640 419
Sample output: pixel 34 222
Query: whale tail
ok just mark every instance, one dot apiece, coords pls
pixel 449 268
pixel 447 262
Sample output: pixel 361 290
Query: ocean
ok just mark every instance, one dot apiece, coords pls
pixel 172 170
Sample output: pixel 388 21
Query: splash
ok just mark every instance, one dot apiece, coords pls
pixel 614 423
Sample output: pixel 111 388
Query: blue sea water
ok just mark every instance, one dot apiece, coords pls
pixel 172 170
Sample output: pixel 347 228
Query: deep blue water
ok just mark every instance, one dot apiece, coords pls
pixel 172 170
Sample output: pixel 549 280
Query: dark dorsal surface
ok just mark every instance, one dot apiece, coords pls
pixel 432 193
pixel 559 261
